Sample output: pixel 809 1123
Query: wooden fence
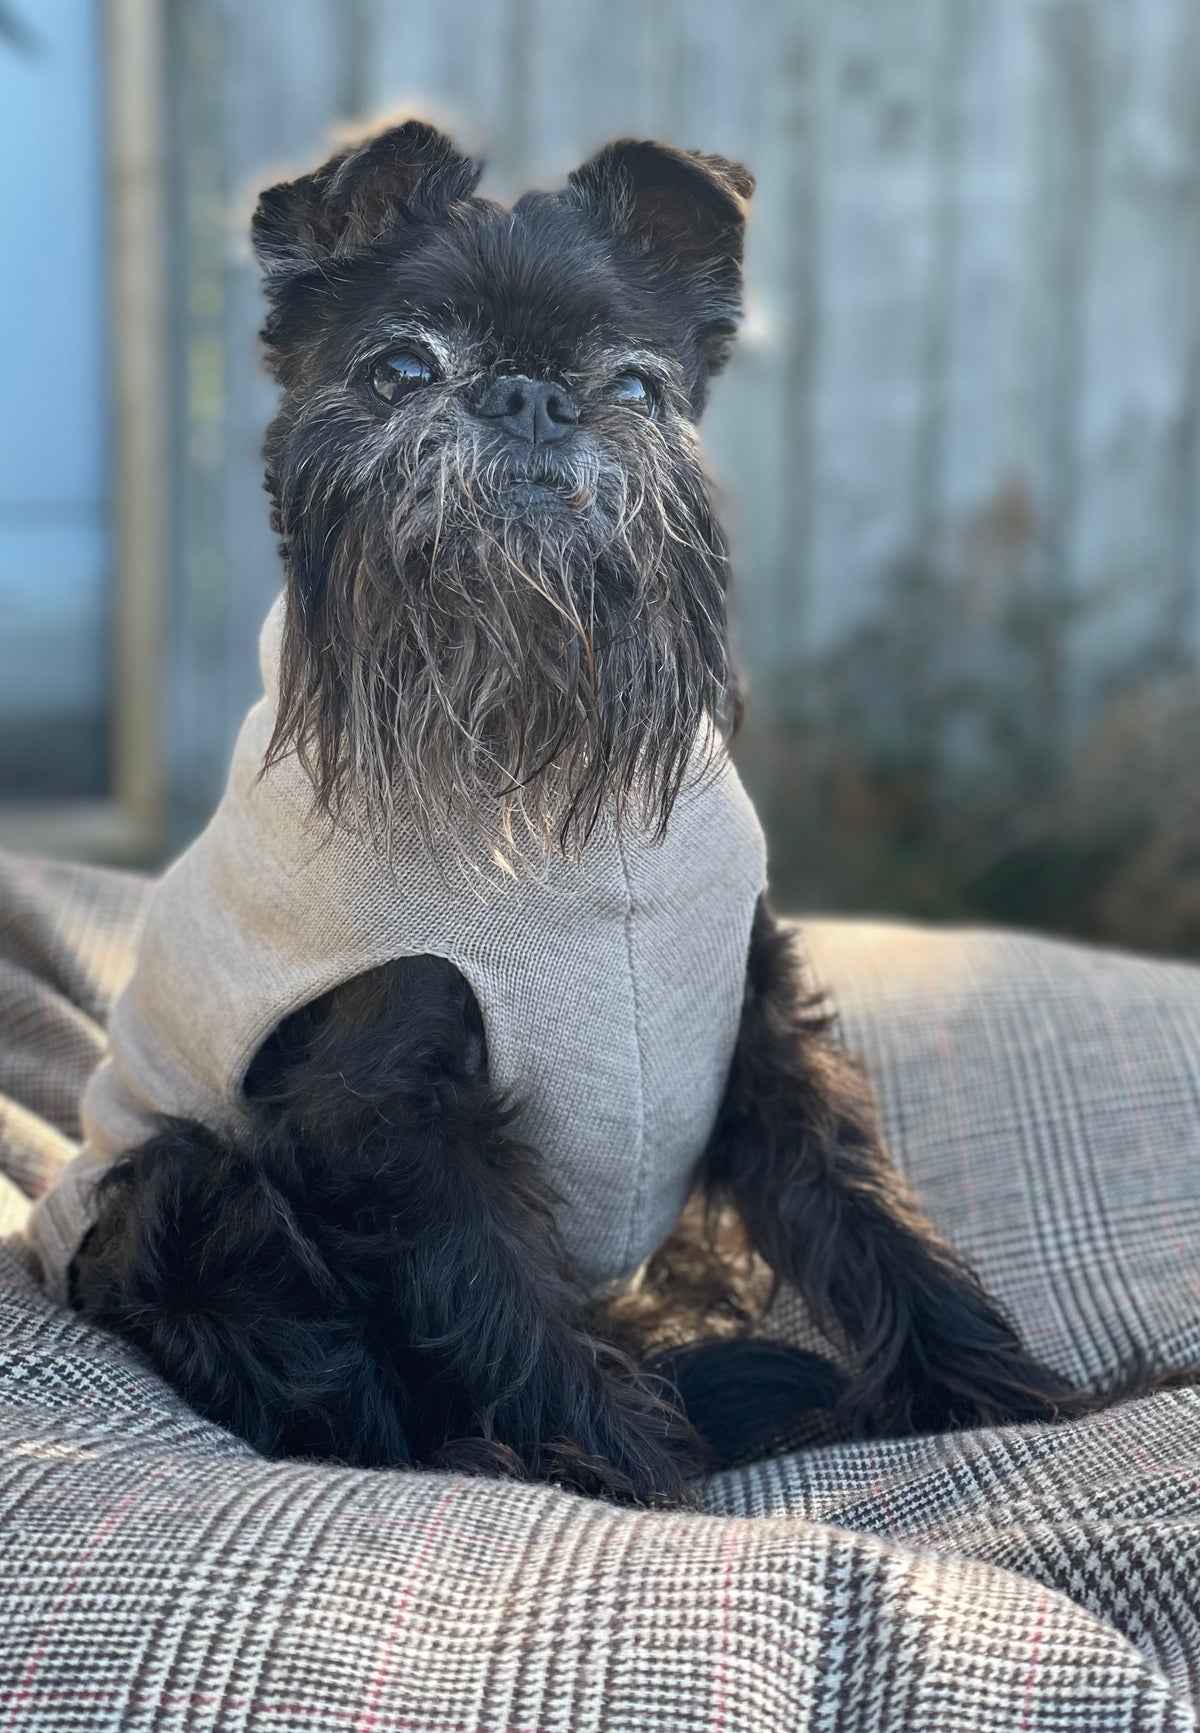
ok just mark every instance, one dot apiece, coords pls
pixel 960 442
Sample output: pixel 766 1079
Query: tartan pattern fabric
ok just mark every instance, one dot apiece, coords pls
pixel 155 1574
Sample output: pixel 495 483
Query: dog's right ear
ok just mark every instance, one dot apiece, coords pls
pixel 410 174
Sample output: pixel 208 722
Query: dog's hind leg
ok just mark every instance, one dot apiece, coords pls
pixel 376 1278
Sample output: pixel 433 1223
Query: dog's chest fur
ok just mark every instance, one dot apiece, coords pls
pixel 610 987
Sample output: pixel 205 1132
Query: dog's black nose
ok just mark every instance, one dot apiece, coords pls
pixel 535 410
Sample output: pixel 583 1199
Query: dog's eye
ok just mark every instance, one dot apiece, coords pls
pixel 631 391
pixel 397 376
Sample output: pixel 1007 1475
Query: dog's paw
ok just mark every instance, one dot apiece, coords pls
pixel 649 1479
pixel 1003 1388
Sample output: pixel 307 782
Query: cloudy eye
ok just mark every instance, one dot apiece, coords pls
pixel 399 375
pixel 631 391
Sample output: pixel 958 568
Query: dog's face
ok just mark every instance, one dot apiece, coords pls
pixel 506 580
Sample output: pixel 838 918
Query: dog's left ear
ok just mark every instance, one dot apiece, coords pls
pixel 369 193
pixel 682 208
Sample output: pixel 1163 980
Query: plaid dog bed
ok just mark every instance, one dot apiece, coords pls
pixel 1045 1099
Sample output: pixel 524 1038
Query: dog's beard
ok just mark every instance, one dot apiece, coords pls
pixel 501 649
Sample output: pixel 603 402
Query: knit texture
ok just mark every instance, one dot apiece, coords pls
pixel 610 1010
pixel 156 1576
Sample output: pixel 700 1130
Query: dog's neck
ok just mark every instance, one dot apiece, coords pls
pixel 500 838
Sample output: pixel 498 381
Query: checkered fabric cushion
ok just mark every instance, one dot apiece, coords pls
pixel 154 1574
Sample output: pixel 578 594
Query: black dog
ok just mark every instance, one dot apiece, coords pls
pixel 506 594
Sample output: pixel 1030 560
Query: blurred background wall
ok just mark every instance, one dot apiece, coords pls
pixel 960 445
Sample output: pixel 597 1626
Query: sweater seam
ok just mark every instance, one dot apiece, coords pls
pixel 639 1185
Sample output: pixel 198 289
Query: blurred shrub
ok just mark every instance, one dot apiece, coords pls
pixel 902 774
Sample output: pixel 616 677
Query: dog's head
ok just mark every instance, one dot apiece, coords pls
pixel 506 580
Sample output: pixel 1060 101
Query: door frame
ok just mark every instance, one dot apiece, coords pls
pixel 128 823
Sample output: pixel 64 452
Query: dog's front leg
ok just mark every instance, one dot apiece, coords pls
pixel 797 1151
pixel 377 1277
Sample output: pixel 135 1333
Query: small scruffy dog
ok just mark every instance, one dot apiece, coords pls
pixel 470 983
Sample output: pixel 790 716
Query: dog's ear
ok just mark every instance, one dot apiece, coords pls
pixel 410 174
pixel 684 209
pixel 679 205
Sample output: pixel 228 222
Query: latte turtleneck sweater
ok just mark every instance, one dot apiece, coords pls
pixel 610 986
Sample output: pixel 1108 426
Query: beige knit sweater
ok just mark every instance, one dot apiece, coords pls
pixel 610 987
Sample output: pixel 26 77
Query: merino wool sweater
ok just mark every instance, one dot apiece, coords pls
pixel 610 986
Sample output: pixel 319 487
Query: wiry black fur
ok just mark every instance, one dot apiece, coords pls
pixel 798 1153
pixel 451 645
pixel 375 1276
